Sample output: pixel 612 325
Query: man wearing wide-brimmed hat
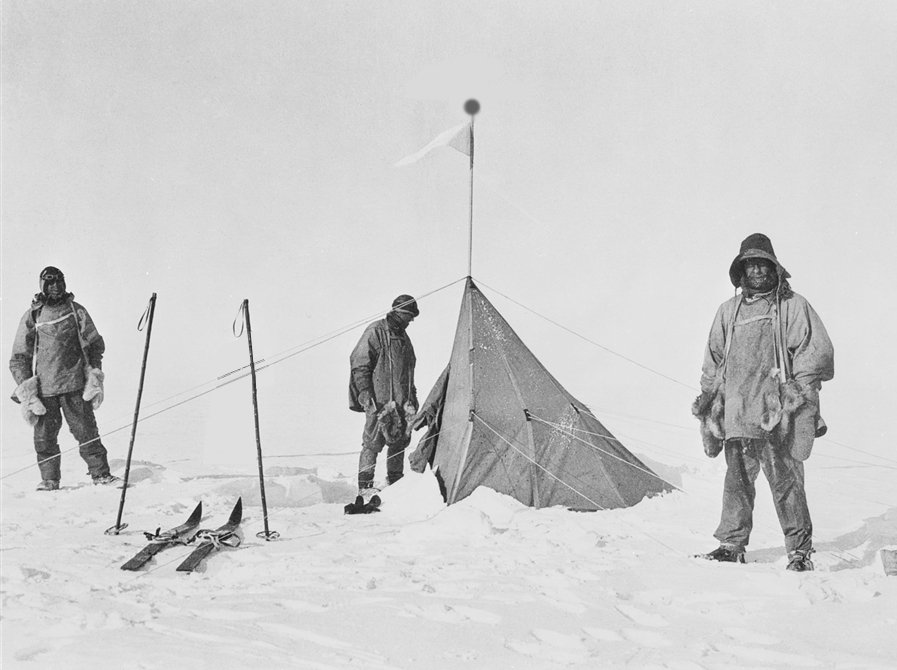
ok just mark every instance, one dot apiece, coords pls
pixel 766 358
pixel 381 384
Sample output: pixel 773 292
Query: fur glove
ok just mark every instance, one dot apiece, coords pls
pixel 93 388
pixel 390 423
pixel 32 407
pixel 709 408
pixel 792 416
pixel 800 415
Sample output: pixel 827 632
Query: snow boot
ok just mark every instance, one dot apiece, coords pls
pixel 48 485
pixel 726 553
pixel 799 561
pixel 106 480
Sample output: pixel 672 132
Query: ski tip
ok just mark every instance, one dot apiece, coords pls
pixel 237 515
pixel 196 516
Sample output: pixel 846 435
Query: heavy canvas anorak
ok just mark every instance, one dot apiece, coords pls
pixel 55 347
pixel 748 372
pixel 382 365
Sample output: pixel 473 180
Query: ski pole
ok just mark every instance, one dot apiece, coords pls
pixel 265 534
pixel 147 320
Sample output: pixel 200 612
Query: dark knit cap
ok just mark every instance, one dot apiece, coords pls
pixel 754 246
pixel 407 304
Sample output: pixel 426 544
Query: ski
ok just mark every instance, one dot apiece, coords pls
pixel 212 540
pixel 163 539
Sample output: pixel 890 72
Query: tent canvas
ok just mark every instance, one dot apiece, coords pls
pixel 498 418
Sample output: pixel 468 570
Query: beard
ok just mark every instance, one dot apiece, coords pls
pixel 760 284
pixel 55 294
pixel 395 323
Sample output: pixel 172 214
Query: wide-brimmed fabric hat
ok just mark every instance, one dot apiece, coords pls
pixel 755 246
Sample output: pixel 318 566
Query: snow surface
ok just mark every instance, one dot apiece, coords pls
pixel 485 583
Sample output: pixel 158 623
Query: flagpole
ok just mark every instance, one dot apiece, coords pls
pixel 471 107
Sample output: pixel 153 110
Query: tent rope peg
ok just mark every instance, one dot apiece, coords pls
pixel 529 417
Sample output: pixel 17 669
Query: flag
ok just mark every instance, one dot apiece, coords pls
pixel 457 138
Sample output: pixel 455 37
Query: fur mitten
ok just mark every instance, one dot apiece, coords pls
pixel 93 387
pixel 772 404
pixel 390 423
pixel 800 413
pixel 709 408
pixel 32 407
pixel 793 398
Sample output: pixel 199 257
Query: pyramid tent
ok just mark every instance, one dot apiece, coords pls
pixel 498 418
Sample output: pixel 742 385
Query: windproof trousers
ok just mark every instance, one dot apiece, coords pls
pixel 372 443
pixel 83 425
pixel 744 459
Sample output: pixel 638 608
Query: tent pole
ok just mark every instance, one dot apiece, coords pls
pixel 470 228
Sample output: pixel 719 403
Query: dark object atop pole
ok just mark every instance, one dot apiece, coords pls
pixel 266 534
pixel 147 319
pixel 471 107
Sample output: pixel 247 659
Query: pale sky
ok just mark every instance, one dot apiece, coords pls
pixel 215 151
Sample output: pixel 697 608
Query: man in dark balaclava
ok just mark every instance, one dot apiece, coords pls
pixel 56 362
pixel 766 358
pixel 381 385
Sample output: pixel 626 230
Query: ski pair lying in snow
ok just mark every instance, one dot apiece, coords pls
pixel 187 533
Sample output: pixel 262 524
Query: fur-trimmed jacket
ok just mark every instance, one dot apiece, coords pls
pixel 59 344
pixel 747 390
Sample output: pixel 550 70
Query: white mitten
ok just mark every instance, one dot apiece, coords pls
pixel 32 407
pixel 93 388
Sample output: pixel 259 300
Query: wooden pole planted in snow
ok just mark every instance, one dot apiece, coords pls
pixel 265 534
pixel 147 319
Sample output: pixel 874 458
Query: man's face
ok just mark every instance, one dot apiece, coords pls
pixel 760 274
pixel 55 288
pixel 405 318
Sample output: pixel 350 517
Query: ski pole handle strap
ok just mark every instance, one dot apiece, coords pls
pixel 241 318
pixel 145 317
